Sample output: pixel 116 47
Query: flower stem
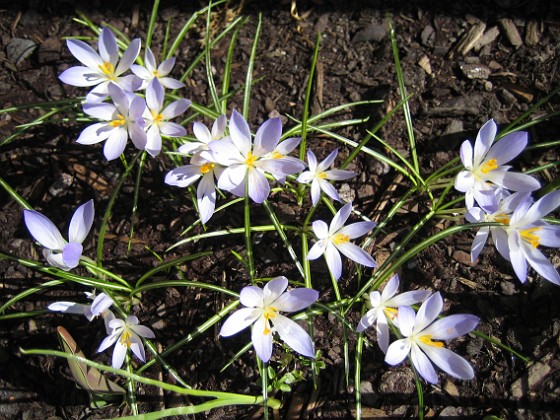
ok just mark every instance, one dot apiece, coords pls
pixel 248 242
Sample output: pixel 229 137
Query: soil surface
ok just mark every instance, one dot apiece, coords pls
pixel 455 89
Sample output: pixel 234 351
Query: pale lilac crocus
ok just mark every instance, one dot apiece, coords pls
pixel 336 237
pixel 157 117
pixel 246 163
pixel 120 120
pixel 126 334
pixel 319 176
pixel 150 71
pixel 525 231
pixel 202 167
pixel 262 310
pixel 103 68
pixel 59 252
pixel 204 136
pixel 99 307
pixel 384 309
pixel 422 339
pixel 501 214
pixel 485 168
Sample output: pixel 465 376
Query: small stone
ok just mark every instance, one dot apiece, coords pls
pixel 369 396
pixel 463 257
pixel 428 36
pixel 475 71
pixel 424 63
pixel 19 49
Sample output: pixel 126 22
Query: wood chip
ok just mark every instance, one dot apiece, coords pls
pixel 489 36
pixel 469 40
pixel 424 63
pixel 511 32
pixel 520 91
pixel 533 33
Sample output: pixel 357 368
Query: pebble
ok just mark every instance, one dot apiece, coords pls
pixel 19 49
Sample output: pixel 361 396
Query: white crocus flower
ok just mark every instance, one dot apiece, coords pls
pixel 262 310
pixel 384 309
pixel 501 214
pixel 59 252
pixel 126 335
pixel 156 117
pixel 202 167
pixel 485 170
pixel 102 69
pixel 204 136
pixel 525 231
pixel 319 175
pixel 246 162
pixel 121 120
pixel 423 333
pixel 336 238
pixel 151 71
pixel 99 307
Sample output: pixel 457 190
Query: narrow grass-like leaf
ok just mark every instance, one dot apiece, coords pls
pixel 250 66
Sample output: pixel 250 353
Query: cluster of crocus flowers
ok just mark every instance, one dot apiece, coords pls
pixel 421 334
pixel 502 196
pixel 262 309
pixel 142 119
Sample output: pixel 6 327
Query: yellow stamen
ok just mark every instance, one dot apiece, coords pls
pixel 322 175
pixel 340 238
pixel 269 313
pixel 157 117
pixel 277 155
pixel 427 339
pixel 207 167
pixel 156 73
pixel 125 338
pixel 107 68
pixel 119 121
pixel 529 236
pixel 502 218
pixel 251 159
pixel 489 166
pixel 391 313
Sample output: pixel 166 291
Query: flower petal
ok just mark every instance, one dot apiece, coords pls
pixel 273 290
pixel 294 336
pixel 466 153
pixel 479 242
pixel 452 326
pixel 119 353
pixel 449 362
pixel 541 264
pixel 84 53
pixel 108 49
pixel 240 133
pixel 251 296
pixel 397 351
pixel 81 222
pixel 355 230
pixel 296 299
pixel 428 312
pixel 355 253
pixel 332 257
pixel 508 147
pixel 71 254
pixel 261 336
pixel 267 136
pixel 340 218
pixel 43 230
pixel 422 364
pixel 128 57
pixel 115 144
pixel 484 140
pixel 518 261
pixel 81 76
pixel 259 188
pixel 239 320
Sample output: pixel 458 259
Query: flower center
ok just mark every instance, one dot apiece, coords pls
pixel 107 69
pixel 427 339
pixel 269 313
pixel 251 159
pixel 207 167
pixel 322 175
pixel 340 238
pixel 156 74
pixel 502 218
pixel 277 155
pixel 390 313
pixel 489 166
pixel 118 122
pixel 529 236
pixel 125 338
pixel 157 118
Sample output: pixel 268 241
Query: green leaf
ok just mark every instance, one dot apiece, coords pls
pixel 101 390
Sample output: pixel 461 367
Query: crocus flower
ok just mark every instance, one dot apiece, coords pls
pixel 501 214
pixel 204 136
pixel 157 119
pixel 102 69
pixel 519 240
pixel 384 309
pixel 126 334
pixel 58 252
pixel 422 334
pixel 99 307
pixel 262 310
pixel 247 163
pixel 485 170
pixel 151 71
pixel 121 120
pixel 203 167
pixel 336 238
pixel 319 175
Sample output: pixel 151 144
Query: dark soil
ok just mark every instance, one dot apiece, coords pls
pixel 453 95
